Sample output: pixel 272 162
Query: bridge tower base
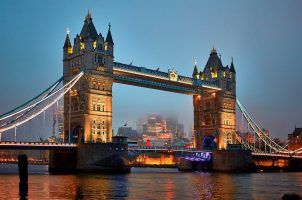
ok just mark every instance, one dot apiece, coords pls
pixel 232 161
pixel 91 157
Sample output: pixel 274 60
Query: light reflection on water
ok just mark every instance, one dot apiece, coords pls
pixel 148 183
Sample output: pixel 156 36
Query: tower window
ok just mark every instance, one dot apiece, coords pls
pixel 93 107
pixel 229 138
pixel 82 45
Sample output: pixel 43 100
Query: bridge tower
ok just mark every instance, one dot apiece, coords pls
pixel 214 112
pixel 88 106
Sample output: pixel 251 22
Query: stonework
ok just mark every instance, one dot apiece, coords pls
pixel 215 112
pixel 88 106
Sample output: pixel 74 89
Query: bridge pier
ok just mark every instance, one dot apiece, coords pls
pixel 91 157
pixel 62 161
pixel 232 161
pixel 103 158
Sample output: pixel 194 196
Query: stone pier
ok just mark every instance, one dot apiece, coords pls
pixel 91 157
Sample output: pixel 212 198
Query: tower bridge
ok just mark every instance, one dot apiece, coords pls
pixel 89 71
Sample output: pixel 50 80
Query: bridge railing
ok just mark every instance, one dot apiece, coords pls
pixel 37 143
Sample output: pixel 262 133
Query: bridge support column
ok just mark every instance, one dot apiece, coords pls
pixel 62 161
pixel 91 157
pixel 103 157
pixel 232 161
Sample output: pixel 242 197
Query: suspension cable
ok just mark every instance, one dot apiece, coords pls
pixel 267 140
pixel 70 85
pixel 7 114
pixel 35 104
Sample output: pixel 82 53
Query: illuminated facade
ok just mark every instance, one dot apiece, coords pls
pixel 295 139
pixel 214 113
pixel 88 106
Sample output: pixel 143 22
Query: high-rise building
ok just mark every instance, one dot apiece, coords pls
pixel 128 132
pixel 158 130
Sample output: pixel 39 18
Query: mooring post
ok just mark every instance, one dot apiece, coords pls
pixel 23 175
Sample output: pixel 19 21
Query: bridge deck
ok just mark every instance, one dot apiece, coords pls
pixel 36 145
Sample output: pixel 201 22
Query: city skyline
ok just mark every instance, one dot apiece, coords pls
pixel 274 69
pixel 134 99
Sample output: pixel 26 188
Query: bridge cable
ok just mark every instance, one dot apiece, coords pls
pixel 4 116
pixel 66 88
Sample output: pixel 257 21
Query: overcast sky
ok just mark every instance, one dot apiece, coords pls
pixel 264 37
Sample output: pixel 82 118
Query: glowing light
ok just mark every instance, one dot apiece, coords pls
pixel 214 74
pixel 82 45
pixel 94 44
pixel 69 50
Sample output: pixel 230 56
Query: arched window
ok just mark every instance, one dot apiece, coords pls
pixel 228 138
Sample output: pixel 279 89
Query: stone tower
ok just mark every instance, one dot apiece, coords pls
pixel 215 112
pixel 88 106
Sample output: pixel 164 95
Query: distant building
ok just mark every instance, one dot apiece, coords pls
pixel 157 130
pixel 128 132
pixel 295 139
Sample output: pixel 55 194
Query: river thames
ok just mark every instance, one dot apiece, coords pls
pixel 150 183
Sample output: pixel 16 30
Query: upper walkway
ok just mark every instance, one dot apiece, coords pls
pixel 155 79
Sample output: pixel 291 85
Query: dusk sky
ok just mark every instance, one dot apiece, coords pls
pixel 264 37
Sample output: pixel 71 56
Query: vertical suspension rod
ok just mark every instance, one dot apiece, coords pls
pixel 69 111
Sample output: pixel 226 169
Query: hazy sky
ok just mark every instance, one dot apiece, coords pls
pixel 264 37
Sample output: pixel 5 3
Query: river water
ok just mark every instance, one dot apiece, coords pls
pixel 150 183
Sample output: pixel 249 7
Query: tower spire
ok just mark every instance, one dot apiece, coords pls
pixel 67 43
pixel 109 36
pixel 232 68
pixel 88 16
pixel 213 51
pixel 195 71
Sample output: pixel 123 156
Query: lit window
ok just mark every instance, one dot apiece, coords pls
pixel 94 44
pixel 82 45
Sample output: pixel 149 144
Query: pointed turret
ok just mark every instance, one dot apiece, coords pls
pixel 232 68
pixel 214 61
pixel 101 36
pixel 109 36
pixel 201 75
pixel 67 43
pixel 109 42
pixel 195 71
pixel 88 30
